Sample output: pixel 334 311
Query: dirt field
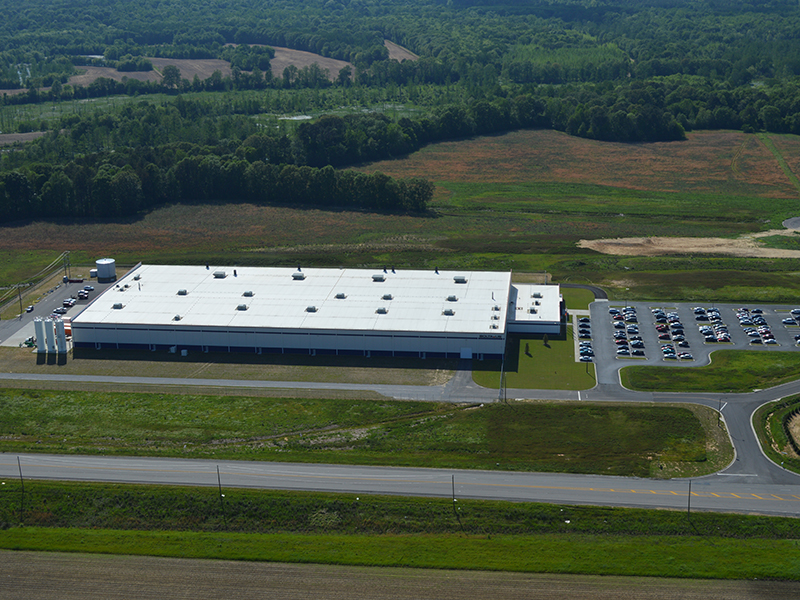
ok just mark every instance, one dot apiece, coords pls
pixel 203 68
pixel 286 56
pixel 744 246
pixel 398 53
pixel 45 576
pixel 9 139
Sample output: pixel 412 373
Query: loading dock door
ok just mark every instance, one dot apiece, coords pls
pixel 466 353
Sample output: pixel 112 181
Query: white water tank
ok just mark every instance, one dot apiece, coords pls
pixel 106 270
pixel 61 337
pixel 41 346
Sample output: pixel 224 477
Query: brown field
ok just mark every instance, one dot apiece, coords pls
pixel 398 53
pixel 743 246
pixel 40 576
pixel 706 162
pixel 286 56
pixel 9 139
pixel 203 68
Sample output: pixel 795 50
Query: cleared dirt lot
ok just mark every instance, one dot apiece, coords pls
pixel 286 56
pixel 9 139
pixel 40 576
pixel 744 246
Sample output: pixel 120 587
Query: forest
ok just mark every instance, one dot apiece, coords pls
pixel 612 70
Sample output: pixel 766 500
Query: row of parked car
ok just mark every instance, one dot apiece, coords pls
pixel 755 326
pixel 585 335
pixel 68 303
pixel 670 329
pixel 626 335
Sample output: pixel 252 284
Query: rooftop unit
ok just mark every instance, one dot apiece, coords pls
pixel 220 274
pixel 298 276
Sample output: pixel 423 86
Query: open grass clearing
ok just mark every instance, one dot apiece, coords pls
pixel 699 557
pixel 628 440
pixel 731 371
pixel 577 298
pixel 537 362
pixel 250 367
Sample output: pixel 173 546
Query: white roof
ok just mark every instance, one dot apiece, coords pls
pixel 419 299
pixel 535 303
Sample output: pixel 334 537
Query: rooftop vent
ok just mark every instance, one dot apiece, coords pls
pixel 382 310
pixel 176 318
pixel 379 277
pixel 182 292
pixel 537 303
pixel 248 294
pixel 460 279
pixel 220 274
pixel 117 306
pixel 137 277
pixel 532 310
pixel 387 296
pixel 493 326
pixel 496 307
pixel 341 296
pixel 495 317
pixel 298 275
pixel 311 308
pixel 449 312
pixel 452 298
pixel 242 307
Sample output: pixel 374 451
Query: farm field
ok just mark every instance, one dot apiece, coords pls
pixel 521 201
pixel 222 579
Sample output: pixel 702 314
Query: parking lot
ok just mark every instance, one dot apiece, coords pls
pixel 683 334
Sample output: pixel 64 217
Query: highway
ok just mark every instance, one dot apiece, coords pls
pixel 725 493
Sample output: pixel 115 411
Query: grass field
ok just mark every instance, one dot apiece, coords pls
pixel 535 363
pixel 699 557
pixel 562 437
pixel 731 371
pixel 576 298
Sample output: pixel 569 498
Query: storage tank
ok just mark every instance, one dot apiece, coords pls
pixel 61 338
pixel 38 326
pixel 50 334
pixel 106 270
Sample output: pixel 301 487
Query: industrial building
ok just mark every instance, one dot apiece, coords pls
pixel 316 311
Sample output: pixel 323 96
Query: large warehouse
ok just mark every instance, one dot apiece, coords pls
pixel 316 311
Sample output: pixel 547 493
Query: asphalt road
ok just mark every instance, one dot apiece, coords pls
pixel 727 493
pixel 752 483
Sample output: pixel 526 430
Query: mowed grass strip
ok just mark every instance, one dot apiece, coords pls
pixel 731 371
pixel 536 362
pixel 598 555
pixel 555 437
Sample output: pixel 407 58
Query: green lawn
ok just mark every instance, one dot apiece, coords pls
pixel 577 298
pixel 535 363
pixel 557 437
pixel 731 371
pixel 696 557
